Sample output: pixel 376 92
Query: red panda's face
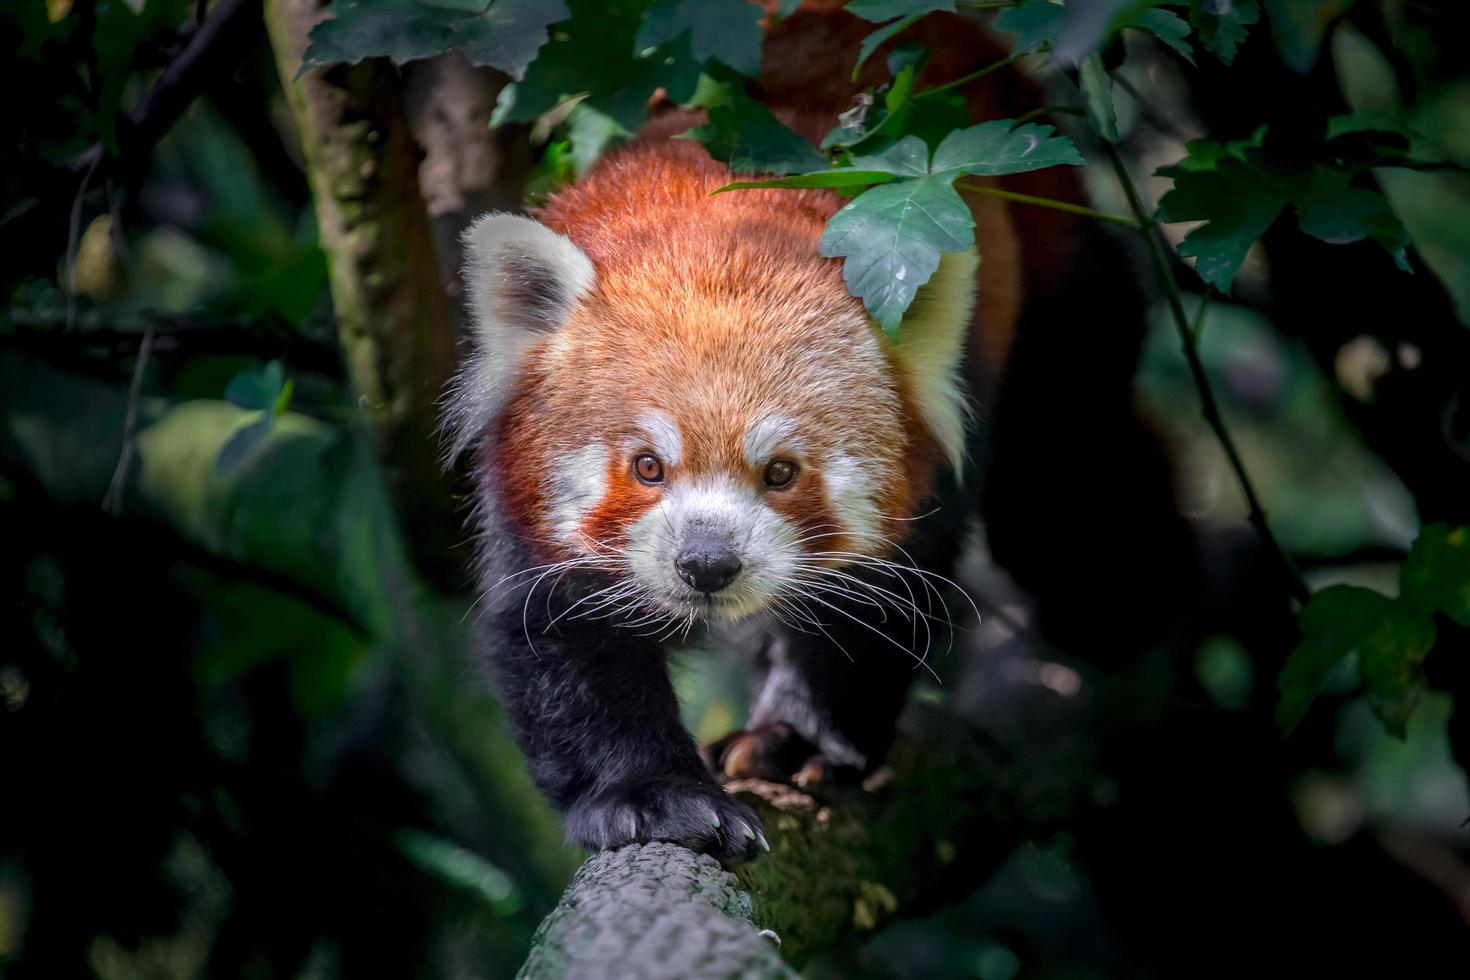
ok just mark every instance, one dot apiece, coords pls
pixel 689 398
pixel 712 447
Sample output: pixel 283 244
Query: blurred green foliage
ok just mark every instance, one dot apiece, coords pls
pixel 252 743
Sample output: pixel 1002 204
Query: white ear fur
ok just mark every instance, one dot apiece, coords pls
pixel 523 280
pixel 931 349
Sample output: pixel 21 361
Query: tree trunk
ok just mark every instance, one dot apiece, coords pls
pixel 392 317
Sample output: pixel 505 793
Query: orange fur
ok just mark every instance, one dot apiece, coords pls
pixel 717 310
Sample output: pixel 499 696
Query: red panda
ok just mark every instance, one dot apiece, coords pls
pixel 679 417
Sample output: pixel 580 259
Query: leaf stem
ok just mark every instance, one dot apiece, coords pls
pixel 1197 328
pixel 1209 406
pixel 966 79
pixel 1046 110
pixel 1049 202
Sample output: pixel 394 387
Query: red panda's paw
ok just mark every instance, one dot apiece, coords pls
pixel 773 752
pixel 692 812
pixel 776 753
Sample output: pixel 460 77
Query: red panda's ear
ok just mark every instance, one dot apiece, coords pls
pixel 521 276
pixel 522 280
pixel 931 350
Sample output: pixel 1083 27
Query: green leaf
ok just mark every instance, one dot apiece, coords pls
pixel 1165 25
pixel 837 178
pixel 1338 213
pixel 462 868
pixel 244 443
pixel 1235 203
pixel 257 389
pixel 891 238
pixel 748 137
pixel 1436 575
pixel 1035 23
pixel 1336 622
pixel 909 157
pixel 1097 96
pixel 1391 659
pixel 504 34
pixel 1222 24
pixel 878 11
pixel 727 31
pixel 994 148
pixel 875 40
pixel 592 54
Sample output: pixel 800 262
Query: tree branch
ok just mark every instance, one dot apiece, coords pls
pixel 941 816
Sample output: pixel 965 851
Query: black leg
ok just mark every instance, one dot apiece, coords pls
pixel 599 724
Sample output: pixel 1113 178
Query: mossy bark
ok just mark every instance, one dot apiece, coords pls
pixel 392 315
pixel 925 829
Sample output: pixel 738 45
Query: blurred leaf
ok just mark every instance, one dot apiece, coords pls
pixel 891 238
pixel 461 867
pixel 243 444
pixel 504 34
pixel 745 135
pixel 1335 623
pixel 120 27
pixel 1097 96
pixel 257 389
pixel 878 11
pixel 1035 23
pixel 1238 190
pixel 592 54
pixel 1391 659
pixel 1436 575
pixel 1299 26
pixel 1165 25
pixel 1222 24
pixel 1391 636
pixel 727 31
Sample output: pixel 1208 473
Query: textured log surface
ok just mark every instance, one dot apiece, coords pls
pixel 921 831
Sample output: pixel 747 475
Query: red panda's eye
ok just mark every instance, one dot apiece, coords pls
pixel 648 468
pixel 780 474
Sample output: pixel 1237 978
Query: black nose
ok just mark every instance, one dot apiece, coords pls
pixel 707 565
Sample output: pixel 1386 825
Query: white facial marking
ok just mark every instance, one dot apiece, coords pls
pixel 850 491
pixel 762 539
pixel 662 433
pixel 578 482
pixel 767 436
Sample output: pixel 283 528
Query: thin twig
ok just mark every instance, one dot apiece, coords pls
pixel 1047 110
pixel 112 500
pixel 1050 202
pixel 965 79
pixel 1209 406
pixel 73 236
pixel 1197 328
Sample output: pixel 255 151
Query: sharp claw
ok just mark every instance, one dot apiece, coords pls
pixel 714 818
pixel 746 829
pixel 630 821
pixel 762 838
